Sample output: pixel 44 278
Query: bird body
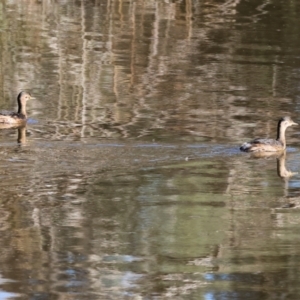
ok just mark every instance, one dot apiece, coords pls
pixel 270 145
pixel 19 117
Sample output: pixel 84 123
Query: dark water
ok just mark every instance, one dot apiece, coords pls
pixel 128 182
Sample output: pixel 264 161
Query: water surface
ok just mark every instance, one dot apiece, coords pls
pixel 128 182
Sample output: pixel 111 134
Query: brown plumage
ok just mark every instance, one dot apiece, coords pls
pixel 270 145
pixel 16 118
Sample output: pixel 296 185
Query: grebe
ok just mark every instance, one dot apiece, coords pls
pixel 16 118
pixel 270 145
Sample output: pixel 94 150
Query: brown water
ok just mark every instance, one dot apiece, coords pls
pixel 128 182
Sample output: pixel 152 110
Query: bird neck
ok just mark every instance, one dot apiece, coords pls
pixel 22 108
pixel 281 134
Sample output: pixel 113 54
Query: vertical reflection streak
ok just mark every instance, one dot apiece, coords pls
pixel 83 78
pixel 110 37
pixel 274 78
pixel 133 43
pixel 189 19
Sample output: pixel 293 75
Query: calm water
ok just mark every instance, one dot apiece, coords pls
pixel 128 182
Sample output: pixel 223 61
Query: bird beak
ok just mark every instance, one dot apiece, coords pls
pixel 295 123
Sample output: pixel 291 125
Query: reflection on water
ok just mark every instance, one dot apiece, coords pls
pixel 281 169
pixel 116 223
pixel 127 181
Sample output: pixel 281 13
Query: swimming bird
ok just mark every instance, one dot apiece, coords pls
pixel 16 118
pixel 270 145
